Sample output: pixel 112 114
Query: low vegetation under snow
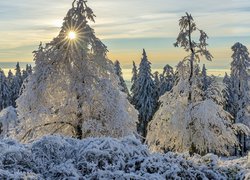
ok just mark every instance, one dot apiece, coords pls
pixel 56 157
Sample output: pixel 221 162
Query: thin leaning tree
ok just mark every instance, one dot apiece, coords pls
pixel 74 90
pixel 196 49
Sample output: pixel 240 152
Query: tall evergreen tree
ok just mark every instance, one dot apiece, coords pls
pixel 166 79
pixel 204 77
pixel 157 85
pixel 239 77
pixel 239 89
pixel 17 83
pixel 133 88
pixel 228 93
pixel 27 71
pixel 144 97
pixel 4 91
pixel 118 72
pixel 18 70
pixel 12 88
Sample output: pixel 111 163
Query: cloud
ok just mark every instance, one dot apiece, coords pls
pixel 27 22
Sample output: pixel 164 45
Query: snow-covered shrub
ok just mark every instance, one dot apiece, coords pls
pixel 203 124
pixel 55 157
pixel 8 121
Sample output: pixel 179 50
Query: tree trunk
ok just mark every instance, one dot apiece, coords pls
pixel 79 116
pixel 191 58
pixel 78 130
pixel 192 150
pixel 245 144
pixel 191 77
pixel 240 141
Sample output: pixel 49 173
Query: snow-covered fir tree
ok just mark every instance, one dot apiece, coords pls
pixel 166 79
pixel 239 79
pixel 133 89
pixel 27 71
pixel 228 93
pixel 16 84
pixel 5 98
pixel 144 97
pixel 189 118
pixel 18 70
pixel 25 74
pixel 10 79
pixel 118 72
pixel 16 87
pixel 238 99
pixel 205 78
pixel 18 74
pixel 73 89
pixel 157 84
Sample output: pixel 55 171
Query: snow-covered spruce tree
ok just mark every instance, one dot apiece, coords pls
pixel 133 89
pixel 24 74
pixel 206 80
pixel 118 72
pixel 166 79
pixel 18 70
pixel 73 89
pixel 228 93
pixel 189 118
pixel 239 99
pixel 144 97
pixel 14 87
pixel 18 74
pixel 10 79
pixel 16 84
pixel 157 84
pixel 239 79
pixel 5 100
pixel 27 71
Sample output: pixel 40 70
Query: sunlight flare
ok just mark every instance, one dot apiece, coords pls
pixel 72 35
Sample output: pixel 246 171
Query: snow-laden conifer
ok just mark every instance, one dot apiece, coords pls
pixel 166 79
pixel 133 88
pixel 118 72
pixel 144 97
pixel 237 94
pixel 5 98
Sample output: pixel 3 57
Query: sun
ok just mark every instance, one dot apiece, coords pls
pixel 72 35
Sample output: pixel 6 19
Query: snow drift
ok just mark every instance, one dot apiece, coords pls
pixel 55 157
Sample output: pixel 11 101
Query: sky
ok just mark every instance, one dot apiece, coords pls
pixel 128 26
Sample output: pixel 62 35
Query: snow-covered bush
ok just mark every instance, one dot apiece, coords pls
pixel 55 157
pixel 8 121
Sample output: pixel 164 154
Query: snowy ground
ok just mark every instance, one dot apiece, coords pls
pixel 55 157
